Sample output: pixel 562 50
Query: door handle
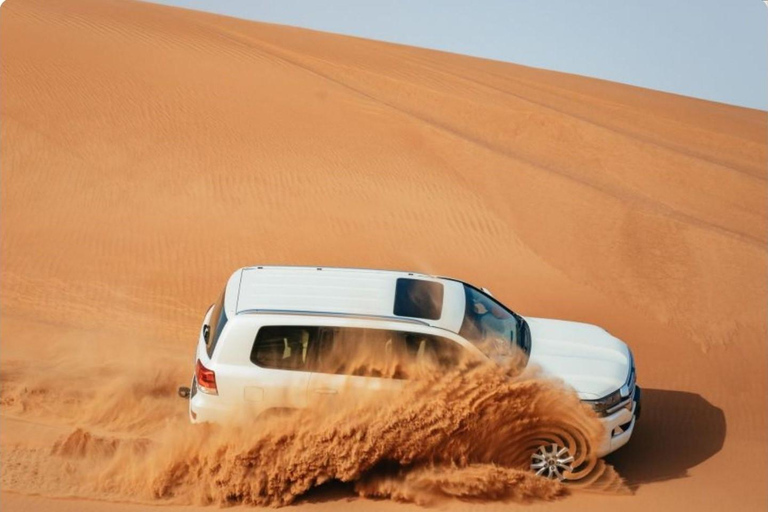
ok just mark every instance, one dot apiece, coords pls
pixel 326 391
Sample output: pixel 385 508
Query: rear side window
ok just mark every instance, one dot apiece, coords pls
pixel 383 353
pixel 284 347
pixel 218 321
pixel 418 298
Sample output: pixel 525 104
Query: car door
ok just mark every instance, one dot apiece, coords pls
pixel 282 373
pixel 363 363
pixel 355 363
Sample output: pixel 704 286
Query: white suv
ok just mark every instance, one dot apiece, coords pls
pixel 266 343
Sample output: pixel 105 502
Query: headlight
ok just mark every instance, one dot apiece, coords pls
pixel 602 405
pixel 629 387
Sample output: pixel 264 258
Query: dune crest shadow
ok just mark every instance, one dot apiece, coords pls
pixel 677 431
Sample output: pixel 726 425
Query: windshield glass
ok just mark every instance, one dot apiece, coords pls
pixel 498 332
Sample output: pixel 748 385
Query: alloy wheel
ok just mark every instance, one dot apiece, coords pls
pixel 552 461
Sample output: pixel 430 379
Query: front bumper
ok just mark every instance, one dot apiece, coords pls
pixel 620 425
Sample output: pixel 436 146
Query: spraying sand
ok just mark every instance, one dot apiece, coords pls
pixel 146 152
pixel 466 433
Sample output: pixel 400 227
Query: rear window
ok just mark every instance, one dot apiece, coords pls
pixel 218 321
pixel 418 298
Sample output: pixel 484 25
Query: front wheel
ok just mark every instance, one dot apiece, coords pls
pixel 552 461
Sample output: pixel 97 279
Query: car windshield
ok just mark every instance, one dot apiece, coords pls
pixel 498 332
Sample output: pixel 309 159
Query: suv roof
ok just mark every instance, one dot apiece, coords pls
pixel 353 292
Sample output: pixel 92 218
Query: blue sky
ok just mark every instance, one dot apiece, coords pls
pixel 711 49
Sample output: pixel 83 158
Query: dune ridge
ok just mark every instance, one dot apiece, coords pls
pixel 147 151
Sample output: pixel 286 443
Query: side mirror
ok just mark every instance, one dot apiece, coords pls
pixel 206 332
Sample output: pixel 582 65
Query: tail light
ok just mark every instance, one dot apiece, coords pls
pixel 206 379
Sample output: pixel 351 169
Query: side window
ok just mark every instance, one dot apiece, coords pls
pixel 218 321
pixel 384 353
pixel 491 327
pixel 356 351
pixel 284 347
pixel 429 352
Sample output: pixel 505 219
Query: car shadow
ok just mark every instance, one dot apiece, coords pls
pixel 676 431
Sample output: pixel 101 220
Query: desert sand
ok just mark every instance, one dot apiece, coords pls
pixel 147 152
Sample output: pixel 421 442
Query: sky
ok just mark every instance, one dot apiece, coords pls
pixel 711 49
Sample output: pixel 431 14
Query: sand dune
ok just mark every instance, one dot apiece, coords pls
pixel 146 152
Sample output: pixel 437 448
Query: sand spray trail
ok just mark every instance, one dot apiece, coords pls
pixel 467 434
pixel 127 390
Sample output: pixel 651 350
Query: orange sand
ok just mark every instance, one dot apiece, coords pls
pixel 146 152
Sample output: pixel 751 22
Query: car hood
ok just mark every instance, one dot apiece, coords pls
pixel 584 356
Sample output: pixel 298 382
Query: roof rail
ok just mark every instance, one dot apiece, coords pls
pixel 333 314
pixel 322 267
